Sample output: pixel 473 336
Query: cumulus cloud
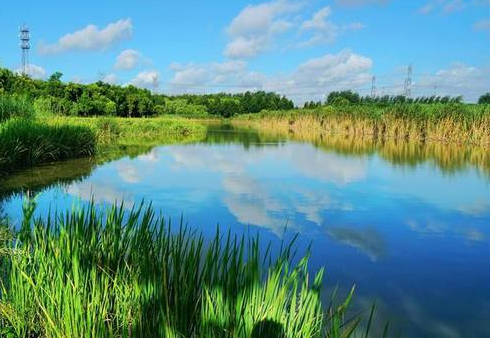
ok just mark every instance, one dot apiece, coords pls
pixel 194 77
pixel 91 38
pixel 458 79
pixel 252 31
pixel 311 80
pixel 146 79
pixel 259 28
pixel 34 71
pixel 127 59
pixel 323 29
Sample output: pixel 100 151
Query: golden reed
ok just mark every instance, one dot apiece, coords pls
pixel 446 144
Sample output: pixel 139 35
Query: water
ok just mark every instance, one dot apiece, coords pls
pixel 410 231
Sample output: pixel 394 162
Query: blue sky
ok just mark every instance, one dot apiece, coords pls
pixel 302 49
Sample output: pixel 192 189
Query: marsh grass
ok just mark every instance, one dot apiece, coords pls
pixel 26 143
pixel 137 131
pixel 14 106
pixel 445 123
pixel 448 157
pixel 90 273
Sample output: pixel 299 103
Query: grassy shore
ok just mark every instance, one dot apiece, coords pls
pixel 445 123
pixel 26 142
pixel 127 274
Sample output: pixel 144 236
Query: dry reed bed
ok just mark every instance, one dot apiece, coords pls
pixel 400 142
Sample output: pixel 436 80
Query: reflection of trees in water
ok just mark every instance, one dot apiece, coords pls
pixel 37 179
pixel 229 134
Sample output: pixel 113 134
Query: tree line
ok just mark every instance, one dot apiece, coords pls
pixel 351 97
pixel 100 98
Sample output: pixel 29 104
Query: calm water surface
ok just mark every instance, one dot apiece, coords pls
pixel 413 237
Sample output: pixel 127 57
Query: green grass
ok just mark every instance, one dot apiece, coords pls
pixel 120 131
pixel 25 143
pixel 92 273
pixel 14 106
pixel 27 140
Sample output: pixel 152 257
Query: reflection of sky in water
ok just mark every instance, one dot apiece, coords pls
pixel 412 237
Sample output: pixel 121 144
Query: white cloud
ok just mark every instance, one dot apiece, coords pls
pixel 266 26
pixel 127 59
pixel 194 77
pixel 322 29
pixel 34 71
pixel 311 80
pixel 147 79
pixel 91 38
pixel 252 31
pixel 457 79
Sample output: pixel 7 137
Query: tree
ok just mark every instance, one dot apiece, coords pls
pixel 349 95
pixel 484 99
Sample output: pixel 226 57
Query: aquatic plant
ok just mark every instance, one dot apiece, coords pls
pixel 14 106
pixel 114 273
pixel 448 123
pixel 25 143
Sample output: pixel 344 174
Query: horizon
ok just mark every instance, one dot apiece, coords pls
pixel 300 49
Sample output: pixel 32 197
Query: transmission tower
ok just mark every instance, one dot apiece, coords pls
pixel 25 45
pixel 373 87
pixel 408 82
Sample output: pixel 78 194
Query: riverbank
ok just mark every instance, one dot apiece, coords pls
pixel 27 142
pixel 443 123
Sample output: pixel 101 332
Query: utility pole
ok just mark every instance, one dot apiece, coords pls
pixel 373 87
pixel 25 45
pixel 408 82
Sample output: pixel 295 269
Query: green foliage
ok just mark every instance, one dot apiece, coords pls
pixel 26 143
pixel 484 99
pixel 117 274
pixel 47 105
pixel 101 98
pixel 355 99
pixel 347 96
pixel 14 106
pixel 183 107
